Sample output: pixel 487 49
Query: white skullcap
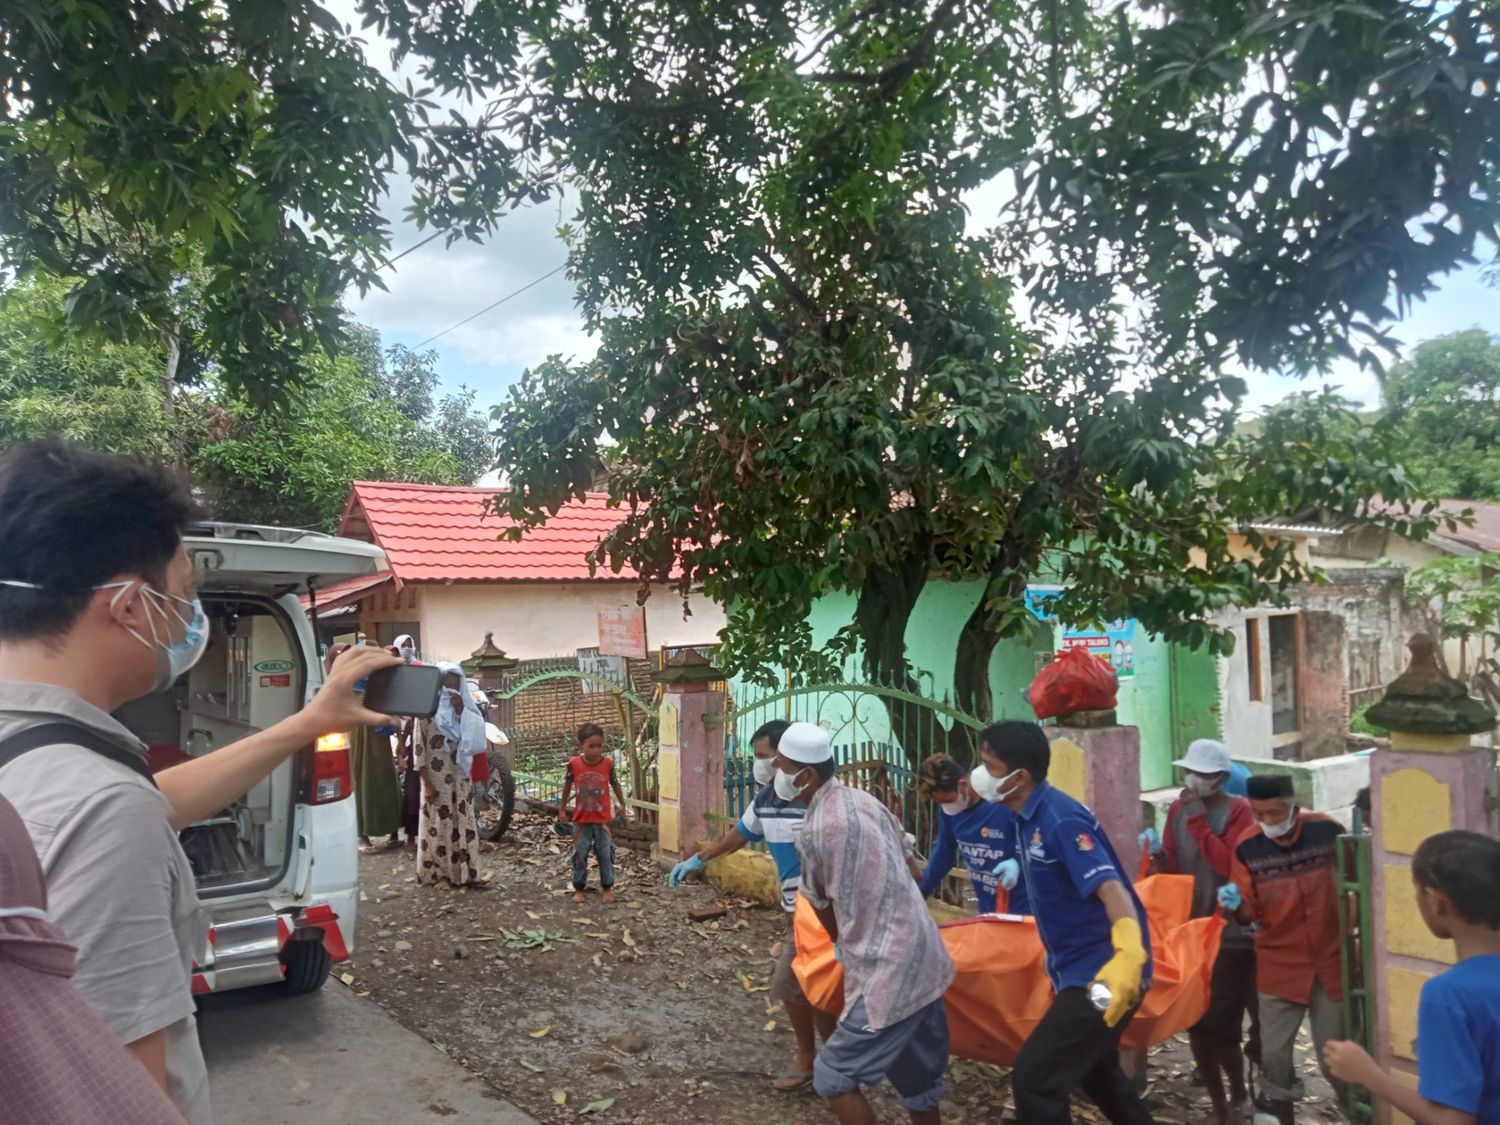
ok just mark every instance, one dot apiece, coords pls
pixel 805 743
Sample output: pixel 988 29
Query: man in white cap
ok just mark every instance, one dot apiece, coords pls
pixel 1203 825
pixel 856 875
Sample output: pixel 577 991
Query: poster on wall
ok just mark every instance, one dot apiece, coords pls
pixel 1113 643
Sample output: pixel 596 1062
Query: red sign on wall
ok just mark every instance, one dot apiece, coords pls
pixel 622 632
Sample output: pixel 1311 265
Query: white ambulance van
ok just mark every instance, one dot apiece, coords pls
pixel 278 869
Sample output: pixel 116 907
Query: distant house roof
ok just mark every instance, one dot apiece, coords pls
pixel 1482 535
pixel 436 533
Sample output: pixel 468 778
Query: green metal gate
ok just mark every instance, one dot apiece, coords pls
pixel 1353 858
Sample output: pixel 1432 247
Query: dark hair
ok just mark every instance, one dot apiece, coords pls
pixel 938 774
pixel 587 731
pixel 1465 866
pixel 771 731
pixel 1020 745
pixel 71 519
pixel 826 768
pixel 1362 801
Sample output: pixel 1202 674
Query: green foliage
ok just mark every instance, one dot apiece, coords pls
pixel 1466 595
pixel 812 376
pixel 1445 402
pixel 1359 723
pixel 346 419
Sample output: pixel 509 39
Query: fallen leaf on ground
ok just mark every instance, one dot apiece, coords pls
pixel 533 915
pixel 770 1025
pixel 559 1097
pixel 598 961
pixel 347 978
pixel 539 1032
pixel 627 939
pixel 598 1107
pixel 530 1066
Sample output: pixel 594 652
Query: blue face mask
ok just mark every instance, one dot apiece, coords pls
pixel 173 659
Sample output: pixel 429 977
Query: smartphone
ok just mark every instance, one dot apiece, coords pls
pixel 406 689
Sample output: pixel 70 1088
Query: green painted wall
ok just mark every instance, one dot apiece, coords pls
pixel 1173 697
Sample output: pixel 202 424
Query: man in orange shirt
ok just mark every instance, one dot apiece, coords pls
pixel 1284 878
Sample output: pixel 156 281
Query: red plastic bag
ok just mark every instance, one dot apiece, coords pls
pixel 1075 681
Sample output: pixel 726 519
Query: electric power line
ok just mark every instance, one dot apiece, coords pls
pixel 418 246
pixel 495 305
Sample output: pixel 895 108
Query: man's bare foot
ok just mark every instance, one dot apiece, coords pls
pixel 578 896
pixel 798 1076
pixel 609 894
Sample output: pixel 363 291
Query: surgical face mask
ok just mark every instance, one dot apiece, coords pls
pixel 991 788
pixel 954 807
pixel 408 653
pixel 24 912
pixel 1277 831
pixel 173 658
pixel 764 770
pixel 786 785
pixel 1203 786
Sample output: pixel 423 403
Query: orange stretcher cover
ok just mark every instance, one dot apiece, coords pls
pixel 1002 990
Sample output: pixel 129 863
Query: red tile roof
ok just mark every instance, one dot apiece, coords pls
pixel 436 533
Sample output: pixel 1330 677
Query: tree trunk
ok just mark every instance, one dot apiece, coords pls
pixel 881 615
pixel 169 394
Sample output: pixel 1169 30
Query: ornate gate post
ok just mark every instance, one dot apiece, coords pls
pixel 1432 779
pixel 690 760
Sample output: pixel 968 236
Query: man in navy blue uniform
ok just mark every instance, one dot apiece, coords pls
pixel 777 822
pixel 983 833
pixel 1092 926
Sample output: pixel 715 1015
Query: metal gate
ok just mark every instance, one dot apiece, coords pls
pixel 540 707
pixel 879 736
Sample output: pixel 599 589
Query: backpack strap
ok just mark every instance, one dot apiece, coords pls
pixel 69 734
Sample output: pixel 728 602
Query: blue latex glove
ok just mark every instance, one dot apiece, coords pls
pixel 1230 897
pixel 1009 873
pixel 838 954
pixel 1151 840
pixel 684 869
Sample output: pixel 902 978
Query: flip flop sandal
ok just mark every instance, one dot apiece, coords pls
pixel 802 1078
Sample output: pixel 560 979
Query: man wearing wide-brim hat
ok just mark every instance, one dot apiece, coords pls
pixel 1202 827
pixel 1285 878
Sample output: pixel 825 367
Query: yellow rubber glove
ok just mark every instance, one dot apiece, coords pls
pixel 1122 972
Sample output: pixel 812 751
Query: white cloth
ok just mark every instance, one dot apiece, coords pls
pixel 464 732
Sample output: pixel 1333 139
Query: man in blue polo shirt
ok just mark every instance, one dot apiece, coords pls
pixel 777 822
pixel 1092 926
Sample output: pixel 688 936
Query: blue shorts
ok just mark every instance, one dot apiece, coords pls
pixel 913 1054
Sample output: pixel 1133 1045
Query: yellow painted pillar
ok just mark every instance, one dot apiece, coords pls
pixel 1432 779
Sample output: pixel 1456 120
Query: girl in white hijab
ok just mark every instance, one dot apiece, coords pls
pixel 444 749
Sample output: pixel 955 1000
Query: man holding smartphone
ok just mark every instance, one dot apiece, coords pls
pixel 97 608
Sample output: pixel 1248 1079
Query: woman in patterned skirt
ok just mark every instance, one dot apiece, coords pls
pixel 444 749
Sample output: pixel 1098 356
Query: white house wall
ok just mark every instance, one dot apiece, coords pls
pixel 534 620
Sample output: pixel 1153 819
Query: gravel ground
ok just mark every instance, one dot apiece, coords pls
pixel 627 1012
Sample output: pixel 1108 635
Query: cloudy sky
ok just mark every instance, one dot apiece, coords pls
pixel 435 287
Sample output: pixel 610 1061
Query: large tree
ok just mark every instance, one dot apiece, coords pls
pixel 1444 401
pixel 819 373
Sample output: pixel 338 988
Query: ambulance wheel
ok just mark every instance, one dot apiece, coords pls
pixel 307 963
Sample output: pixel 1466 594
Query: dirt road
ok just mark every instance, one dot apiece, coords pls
pixel 619 1013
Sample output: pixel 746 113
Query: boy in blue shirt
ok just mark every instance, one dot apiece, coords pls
pixel 778 823
pixel 982 832
pixel 1457 876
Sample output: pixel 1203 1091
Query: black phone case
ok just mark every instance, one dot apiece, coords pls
pixel 406 689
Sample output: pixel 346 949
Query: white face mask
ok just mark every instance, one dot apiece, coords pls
pixel 991 788
pixel 1203 786
pixel 1277 831
pixel 408 653
pixel 953 808
pixel 764 770
pixel 786 785
pixel 24 912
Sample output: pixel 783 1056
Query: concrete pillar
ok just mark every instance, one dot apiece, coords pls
pixel 1100 765
pixel 690 765
pixel 1432 779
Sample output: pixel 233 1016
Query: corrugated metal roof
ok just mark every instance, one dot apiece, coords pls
pixel 435 533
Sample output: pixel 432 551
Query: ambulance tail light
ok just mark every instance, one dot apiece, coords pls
pixel 332 775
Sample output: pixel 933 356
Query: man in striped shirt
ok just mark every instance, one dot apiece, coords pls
pixel 857 877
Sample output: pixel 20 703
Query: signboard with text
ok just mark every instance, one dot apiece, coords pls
pixel 1113 642
pixel 622 632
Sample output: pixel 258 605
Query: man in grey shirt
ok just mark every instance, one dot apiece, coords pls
pixel 856 876
pixel 97 608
